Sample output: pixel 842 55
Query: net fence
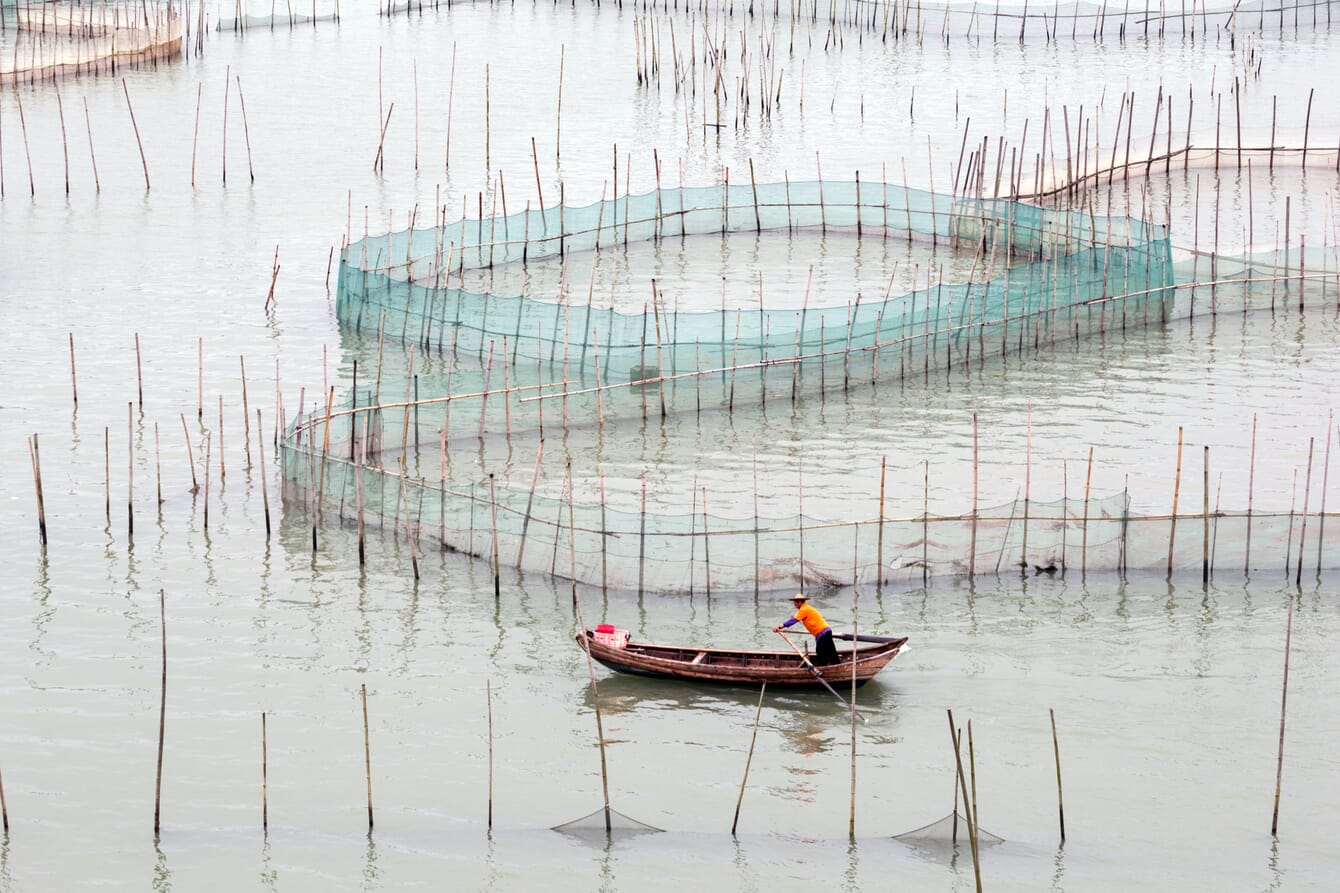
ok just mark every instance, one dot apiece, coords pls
pixel 374 457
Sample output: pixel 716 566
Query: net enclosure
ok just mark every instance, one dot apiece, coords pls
pixel 1051 275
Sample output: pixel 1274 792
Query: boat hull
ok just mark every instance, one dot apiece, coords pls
pixel 736 667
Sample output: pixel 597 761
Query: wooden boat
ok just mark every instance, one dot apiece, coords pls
pixel 740 667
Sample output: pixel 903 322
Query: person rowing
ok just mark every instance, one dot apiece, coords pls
pixel 825 652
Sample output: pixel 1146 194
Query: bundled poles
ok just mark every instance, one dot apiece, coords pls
pixel 970 812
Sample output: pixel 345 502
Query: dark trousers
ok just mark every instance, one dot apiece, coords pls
pixel 825 652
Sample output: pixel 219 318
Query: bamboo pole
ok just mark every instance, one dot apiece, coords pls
pixel 1205 516
pixel 88 123
pixel 265 778
pixel 143 162
pixel 1251 476
pixel 367 751
pixel 195 136
pixel 1302 533
pixel 260 451
pixel 1284 697
pixel 74 383
pixel 758 714
pixel 246 131
pixel 130 472
pixel 162 714
pixel 107 472
pixel 35 456
pixel 493 503
pixel 4 810
pixel 488 698
pixel 139 374
pixel 970 813
pixel 1177 483
pixel 1056 750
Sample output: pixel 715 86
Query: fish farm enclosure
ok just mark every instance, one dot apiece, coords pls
pixel 363 355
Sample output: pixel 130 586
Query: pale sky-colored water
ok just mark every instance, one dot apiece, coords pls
pixel 1167 697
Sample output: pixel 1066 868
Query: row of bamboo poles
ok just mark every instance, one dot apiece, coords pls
pixel 231 82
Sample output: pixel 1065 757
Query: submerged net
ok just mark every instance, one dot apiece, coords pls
pixel 606 824
pixel 947 833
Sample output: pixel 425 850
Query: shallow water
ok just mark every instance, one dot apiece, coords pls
pixel 1166 695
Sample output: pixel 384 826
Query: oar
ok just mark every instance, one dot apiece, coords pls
pixel 818 675
pixel 880 640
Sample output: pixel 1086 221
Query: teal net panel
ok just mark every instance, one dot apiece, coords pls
pixel 515 357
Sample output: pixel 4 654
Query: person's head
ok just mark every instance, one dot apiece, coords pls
pixel 799 599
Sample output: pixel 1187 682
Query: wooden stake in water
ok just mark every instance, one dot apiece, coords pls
pixel 265 777
pixel 139 373
pixel 138 142
pixel 1251 475
pixel 1177 483
pixel 1056 749
pixel 969 812
pixel 1205 515
pixel 367 751
pixel 37 483
pixel 493 504
pixel 1302 533
pixel 74 383
pixel 1284 697
pixel 130 471
pixel 758 714
pixel 265 494
pixel 162 713
pixel 488 696
pixel 4 810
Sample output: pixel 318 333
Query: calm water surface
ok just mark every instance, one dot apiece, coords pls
pixel 1166 696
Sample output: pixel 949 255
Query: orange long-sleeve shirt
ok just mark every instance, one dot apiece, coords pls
pixel 810 616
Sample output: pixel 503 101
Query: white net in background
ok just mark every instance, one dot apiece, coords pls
pixel 607 824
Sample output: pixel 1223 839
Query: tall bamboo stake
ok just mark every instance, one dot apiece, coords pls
pixel 246 131
pixel 136 127
pixel 1056 749
pixel 1177 483
pixel 970 813
pixel 74 383
pixel 1251 475
pixel 1205 516
pixel 4 810
pixel 36 458
pixel 758 714
pixel 265 494
pixel 1302 533
pixel 367 751
pixel 130 472
pixel 265 778
pixel 1284 697
pixel 488 697
pixel 162 713
pixel 88 123
pixel 139 373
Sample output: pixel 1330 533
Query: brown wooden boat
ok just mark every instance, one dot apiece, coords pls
pixel 739 667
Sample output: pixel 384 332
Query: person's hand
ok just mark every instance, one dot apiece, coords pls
pixel 777 629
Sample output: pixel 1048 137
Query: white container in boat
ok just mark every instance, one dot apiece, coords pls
pixel 606 634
